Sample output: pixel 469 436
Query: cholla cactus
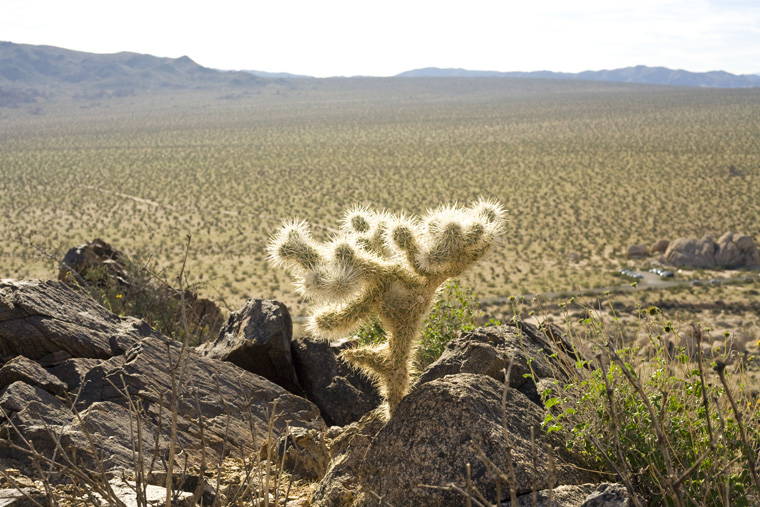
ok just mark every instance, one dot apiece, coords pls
pixel 388 266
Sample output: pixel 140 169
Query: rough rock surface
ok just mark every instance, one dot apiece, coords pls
pixel 21 497
pixel 97 254
pixel 730 251
pixel 340 485
pixel 31 408
pixel 342 394
pixel 306 453
pixel 608 495
pixel 659 246
pixel 154 495
pixel 490 350
pixel 690 252
pixel 411 450
pixel 31 373
pixel 257 338
pixel 41 318
pixel 72 371
pixel 637 251
pixel 566 496
pixel 736 251
pixel 227 401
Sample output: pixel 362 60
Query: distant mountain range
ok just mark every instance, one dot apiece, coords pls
pixel 44 70
pixel 31 73
pixel 638 74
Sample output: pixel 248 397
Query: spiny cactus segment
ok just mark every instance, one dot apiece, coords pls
pixel 388 266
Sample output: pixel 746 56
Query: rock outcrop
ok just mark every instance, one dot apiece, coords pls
pixel 637 251
pixel 736 251
pixel 490 351
pixel 690 252
pixel 341 486
pixel 258 339
pixel 659 246
pixel 731 251
pixel 451 416
pixel 97 255
pixel 106 268
pixel 21 369
pixel 411 452
pixel 40 319
pixel 74 378
pixel 101 370
pixel 342 394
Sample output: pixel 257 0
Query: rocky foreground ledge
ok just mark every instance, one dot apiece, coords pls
pixel 62 353
pixel 64 358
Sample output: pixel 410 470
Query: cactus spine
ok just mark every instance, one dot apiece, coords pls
pixel 384 265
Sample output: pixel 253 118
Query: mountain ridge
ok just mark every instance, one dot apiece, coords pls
pixel 30 73
pixel 51 70
pixel 638 74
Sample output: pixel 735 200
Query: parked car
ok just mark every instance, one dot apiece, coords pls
pixel 631 274
pixel 664 273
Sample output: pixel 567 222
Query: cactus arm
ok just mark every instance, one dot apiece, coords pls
pixel 294 248
pixel 372 360
pixel 341 319
pixel 403 237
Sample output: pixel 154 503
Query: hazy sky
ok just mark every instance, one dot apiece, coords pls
pixel 382 38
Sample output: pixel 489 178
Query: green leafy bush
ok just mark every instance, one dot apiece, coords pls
pixel 668 427
pixel 456 310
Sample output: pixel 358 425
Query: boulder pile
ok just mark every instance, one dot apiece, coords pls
pixel 731 251
pixel 73 375
pixel 74 378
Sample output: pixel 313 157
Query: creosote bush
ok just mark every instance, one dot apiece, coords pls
pixel 385 267
pixel 675 429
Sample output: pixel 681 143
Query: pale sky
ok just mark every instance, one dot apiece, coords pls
pixel 382 38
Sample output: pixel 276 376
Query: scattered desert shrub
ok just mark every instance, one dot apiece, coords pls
pixel 558 155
